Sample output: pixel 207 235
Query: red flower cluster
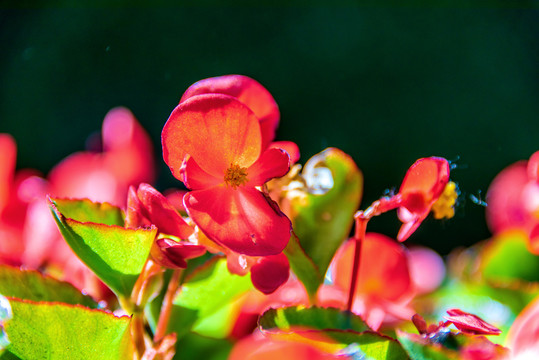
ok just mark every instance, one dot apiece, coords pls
pixel 217 142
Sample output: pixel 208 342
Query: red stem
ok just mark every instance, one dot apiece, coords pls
pixel 166 309
pixel 361 228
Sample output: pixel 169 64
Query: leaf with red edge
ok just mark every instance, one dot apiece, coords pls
pixel 59 331
pixel 115 254
pixel 32 285
pixel 470 323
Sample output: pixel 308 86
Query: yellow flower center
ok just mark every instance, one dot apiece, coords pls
pixel 444 207
pixel 236 176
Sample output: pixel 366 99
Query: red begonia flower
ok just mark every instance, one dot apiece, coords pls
pixel 127 159
pixel 213 144
pixel 470 323
pixel 270 272
pixel 422 186
pixel 148 206
pixel 383 261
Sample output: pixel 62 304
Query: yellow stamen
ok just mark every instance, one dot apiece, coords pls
pixel 236 176
pixel 444 207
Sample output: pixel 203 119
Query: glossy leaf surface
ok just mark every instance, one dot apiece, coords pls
pixel 58 331
pixel 323 218
pixel 303 266
pixel 32 285
pixel 206 302
pixel 115 254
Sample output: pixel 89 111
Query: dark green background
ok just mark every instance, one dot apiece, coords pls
pixel 386 85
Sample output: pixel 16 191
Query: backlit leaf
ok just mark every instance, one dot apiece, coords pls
pixel 115 254
pixel 56 331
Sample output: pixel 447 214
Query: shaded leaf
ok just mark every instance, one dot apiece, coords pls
pixel 207 302
pixel 284 319
pixel 419 348
pixel 303 266
pixel 32 285
pixel 194 346
pixel 115 254
pixel 59 331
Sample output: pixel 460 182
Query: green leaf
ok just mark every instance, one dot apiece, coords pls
pixel 323 217
pixel 115 254
pixel 194 346
pixel 208 301
pixel 59 331
pixel 346 332
pixel 32 285
pixel 288 318
pixel 419 348
pixel 506 258
pixel 85 210
pixel 303 266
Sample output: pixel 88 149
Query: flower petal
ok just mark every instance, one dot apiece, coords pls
pixel 383 261
pixel 157 209
pixel 241 219
pixel 470 323
pixel 290 147
pixel 195 178
pixel 270 272
pixel 424 182
pixel 172 254
pixel 273 163
pixel 216 130
pixel 249 92
pixel 506 207
pixel 8 149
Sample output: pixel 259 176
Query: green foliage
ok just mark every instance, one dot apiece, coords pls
pixel 207 301
pixel 85 210
pixel 303 266
pixel 32 285
pixel 59 331
pixel 115 254
pixel 346 332
pixel 313 317
pixel 420 349
pixel 322 219
pixel 507 258
pixel 194 346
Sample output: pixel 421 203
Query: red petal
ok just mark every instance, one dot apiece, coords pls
pixel 290 147
pixel 470 323
pixel 195 178
pixel 524 332
pixel 533 166
pixel 246 90
pixel 424 182
pixel 273 163
pixel 383 261
pixel 270 272
pixel 8 149
pixel 504 198
pixel 241 219
pixel 216 130
pixel 133 213
pixel 172 254
pixel 161 213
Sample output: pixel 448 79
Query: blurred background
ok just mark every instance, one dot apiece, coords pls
pixel 386 85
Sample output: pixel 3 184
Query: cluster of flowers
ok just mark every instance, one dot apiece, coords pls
pixel 246 200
